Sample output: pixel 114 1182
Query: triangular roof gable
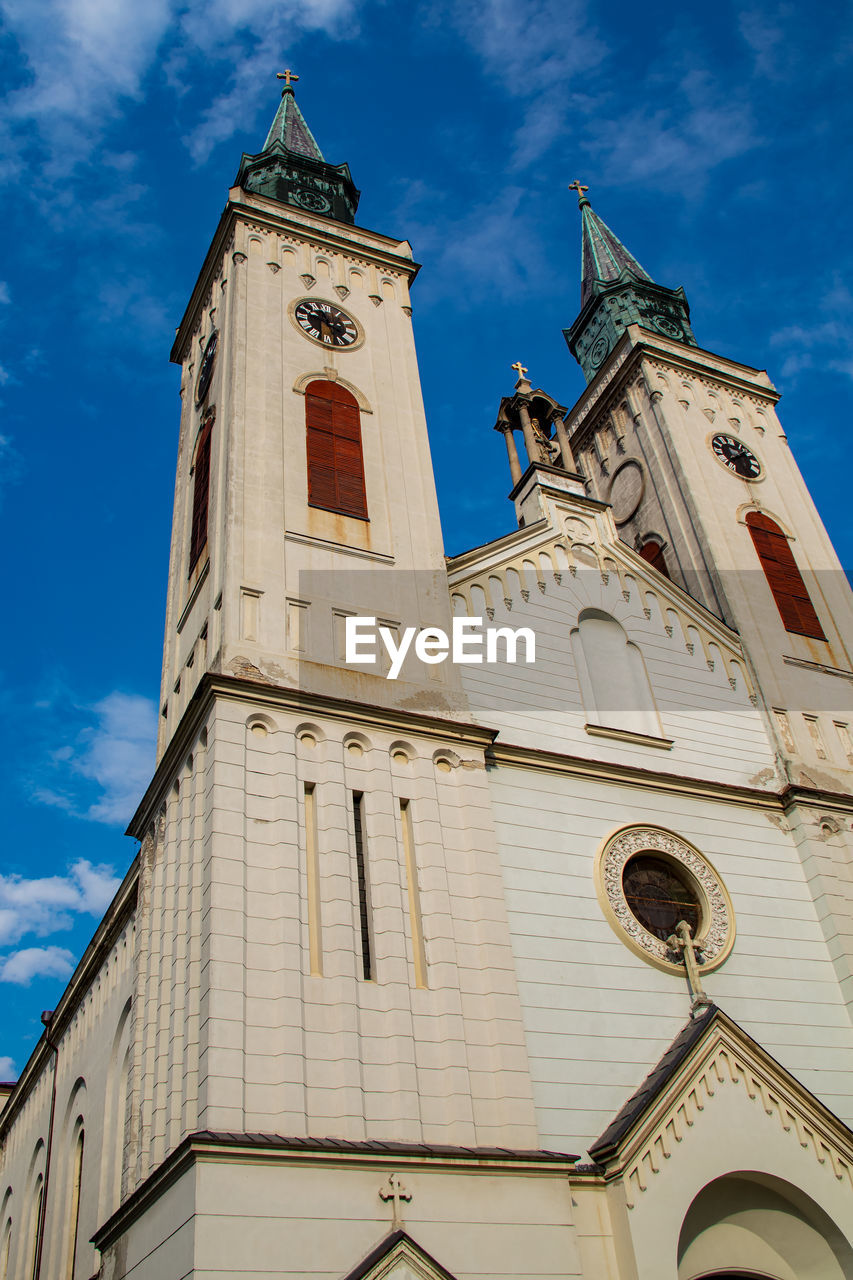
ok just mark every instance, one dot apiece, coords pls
pixel 612 557
pixel 399 1250
pixel 710 1049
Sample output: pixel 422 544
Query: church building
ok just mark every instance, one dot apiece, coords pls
pixel 527 957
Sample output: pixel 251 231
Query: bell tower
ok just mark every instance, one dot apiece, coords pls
pixel 313 850
pixel 305 490
pixel 687 448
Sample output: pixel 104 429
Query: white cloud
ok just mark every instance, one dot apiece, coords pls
pixel 36 962
pixel 824 345
pixel 5 297
pixel 98 769
pixel 86 59
pixel 8 1070
pixel 530 46
pixel 120 755
pixel 46 905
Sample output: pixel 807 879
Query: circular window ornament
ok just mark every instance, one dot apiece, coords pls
pixel 626 491
pixel 648 879
pixel 312 200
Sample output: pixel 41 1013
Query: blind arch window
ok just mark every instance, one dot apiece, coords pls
pixel 76 1187
pixel 333 447
pixel 615 687
pixel 783 577
pixel 201 490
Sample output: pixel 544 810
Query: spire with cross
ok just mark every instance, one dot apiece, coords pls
pixel 292 169
pixel 289 77
pixel 617 292
pixel 578 186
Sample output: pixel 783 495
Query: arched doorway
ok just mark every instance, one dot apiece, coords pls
pixel 752 1226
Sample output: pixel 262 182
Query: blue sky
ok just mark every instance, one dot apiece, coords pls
pixel 715 140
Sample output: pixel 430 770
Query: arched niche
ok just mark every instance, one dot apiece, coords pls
pixel 614 682
pixel 756 1225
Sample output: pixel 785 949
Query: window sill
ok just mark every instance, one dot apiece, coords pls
pixel 203 571
pixel 626 735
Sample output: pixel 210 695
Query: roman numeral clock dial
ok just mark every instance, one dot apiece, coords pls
pixel 325 323
pixel 736 457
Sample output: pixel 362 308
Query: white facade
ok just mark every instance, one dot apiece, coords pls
pixel 369 1001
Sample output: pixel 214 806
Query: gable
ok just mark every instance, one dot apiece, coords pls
pixel 399 1257
pixel 711 1060
pixel 702 706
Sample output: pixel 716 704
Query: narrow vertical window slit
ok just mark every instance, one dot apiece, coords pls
pixel 363 890
pixel 312 868
pixel 415 918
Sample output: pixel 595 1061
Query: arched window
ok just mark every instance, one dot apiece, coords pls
pixel 335 464
pixel 201 490
pixel 5 1249
pixel 74 1207
pixel 783 577
pixel 614 683
pixel 35 1226
pixel 653 552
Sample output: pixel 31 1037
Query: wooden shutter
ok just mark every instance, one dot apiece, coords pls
pixel 783 577
pixel 201 492
pixel 333 444
pixel 653 552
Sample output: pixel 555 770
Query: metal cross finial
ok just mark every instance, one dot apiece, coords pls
pixel 578 186
pixel 683 941
pixel 520 369
pixel 287 76
pixel 394 1191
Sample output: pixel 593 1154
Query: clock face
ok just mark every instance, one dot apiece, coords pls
pixel 736 457
pixel 325 323
pixel 312 200
pixel 598 352
pixel 205 372
pixel 666 325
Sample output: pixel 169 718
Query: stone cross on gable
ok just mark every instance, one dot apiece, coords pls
pixel 683 942
pixel 394 1191
pixel 520 369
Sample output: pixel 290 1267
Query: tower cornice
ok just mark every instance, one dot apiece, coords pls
pixel 638 344
pixel 270 215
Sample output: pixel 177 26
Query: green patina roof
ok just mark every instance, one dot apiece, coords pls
pixel 604 255
pixel 289 128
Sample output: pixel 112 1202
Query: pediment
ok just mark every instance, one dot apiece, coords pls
pixel 582 565
pixel 711 1056
pixel 399 1257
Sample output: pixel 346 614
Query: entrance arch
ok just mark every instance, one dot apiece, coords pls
pixel 753 1226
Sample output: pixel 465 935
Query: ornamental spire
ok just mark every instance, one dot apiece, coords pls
pixel 291 169
pixel 604 256
pixel 289 127
pixel 616 295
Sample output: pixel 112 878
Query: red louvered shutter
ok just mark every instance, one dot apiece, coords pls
pixel 653 552
pixel 201 493
pixel 783 577
pixel 333 444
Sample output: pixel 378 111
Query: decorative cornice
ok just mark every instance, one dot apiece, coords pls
pixel 503 753
pixel 269 1148
pixel 269 215
pixel 637 345
pixel 213 686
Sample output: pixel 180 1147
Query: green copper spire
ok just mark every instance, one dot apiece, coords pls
pixel 291 167
pixel 289 127
pixel 616 292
